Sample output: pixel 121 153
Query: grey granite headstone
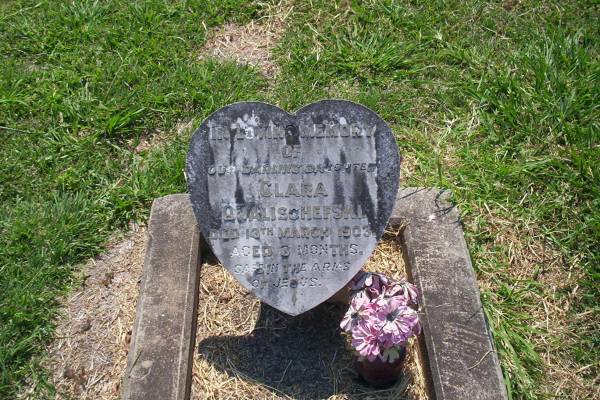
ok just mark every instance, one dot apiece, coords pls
pixel 293 205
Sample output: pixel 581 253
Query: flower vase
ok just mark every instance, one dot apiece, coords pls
pixel 378 373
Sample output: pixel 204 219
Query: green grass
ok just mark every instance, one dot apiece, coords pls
pixel 498 101
pixel 80 84
pixel 502 107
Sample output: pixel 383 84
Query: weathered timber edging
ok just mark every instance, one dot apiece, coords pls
pixel 459 350
pixel 163 338
pixel 459 354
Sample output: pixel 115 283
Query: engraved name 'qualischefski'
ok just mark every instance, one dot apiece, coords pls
pixel 305 213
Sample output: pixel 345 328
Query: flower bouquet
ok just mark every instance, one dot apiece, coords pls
pixel 382 317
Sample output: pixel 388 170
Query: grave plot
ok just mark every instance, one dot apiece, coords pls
pixel 246 349
pixel 293 206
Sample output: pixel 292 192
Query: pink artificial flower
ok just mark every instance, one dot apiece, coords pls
pixel 373 283
pixel 381 316
pixel 397 321
pixel 395 290
pixel 359 310
pixel 404 289
pixel 365 340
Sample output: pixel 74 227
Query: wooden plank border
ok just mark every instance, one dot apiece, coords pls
pixel 159 364
pixel 459 350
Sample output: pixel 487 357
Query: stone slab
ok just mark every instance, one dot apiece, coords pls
pixel 159 363
pixel 459 349
pixel 293 204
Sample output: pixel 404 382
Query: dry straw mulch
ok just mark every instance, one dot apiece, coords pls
pixel 247 350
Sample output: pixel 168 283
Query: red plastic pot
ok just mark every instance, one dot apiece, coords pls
pixel 380 374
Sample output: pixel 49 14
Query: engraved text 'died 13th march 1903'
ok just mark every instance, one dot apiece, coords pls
pixel 293 204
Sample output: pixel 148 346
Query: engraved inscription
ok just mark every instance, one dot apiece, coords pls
pixel 292 204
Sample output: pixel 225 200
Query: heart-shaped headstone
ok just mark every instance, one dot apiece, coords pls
pixel 293 205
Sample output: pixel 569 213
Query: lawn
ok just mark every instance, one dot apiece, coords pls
pixel 497 101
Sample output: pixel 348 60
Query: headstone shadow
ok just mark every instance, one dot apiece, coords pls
pixel 302 357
